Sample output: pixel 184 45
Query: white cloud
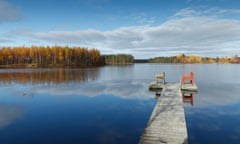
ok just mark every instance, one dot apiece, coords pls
pixel 143 18
pixel 186 12
pixel 209 12
pixel 8 12
pixel 85 36
pixel 188 31
pixel 4 40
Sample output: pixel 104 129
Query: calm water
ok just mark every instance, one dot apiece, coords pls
pixel 112 104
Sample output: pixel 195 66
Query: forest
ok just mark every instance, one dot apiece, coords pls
pixel 55 56
pixel 182 58
pixel 119 59
pixel 58 56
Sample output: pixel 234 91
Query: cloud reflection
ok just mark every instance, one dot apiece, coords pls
pixel 124 89
pixel 222 94
pixel 9 114
pixel 208 95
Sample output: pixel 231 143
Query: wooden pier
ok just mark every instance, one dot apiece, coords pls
pixel 167 123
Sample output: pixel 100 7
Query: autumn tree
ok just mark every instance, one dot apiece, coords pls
pixel 234 59
pixel 119 59
pixel 54 56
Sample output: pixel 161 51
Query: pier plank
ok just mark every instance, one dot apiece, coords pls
pixel 167 122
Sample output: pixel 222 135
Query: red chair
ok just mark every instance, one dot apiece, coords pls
pixel 188 77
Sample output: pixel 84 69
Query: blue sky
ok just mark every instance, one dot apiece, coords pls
pixel 146 28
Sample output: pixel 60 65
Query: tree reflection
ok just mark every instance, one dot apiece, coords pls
pixel 49 76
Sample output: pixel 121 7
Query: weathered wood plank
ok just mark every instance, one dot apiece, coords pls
pixel 190 87
pixel 167 123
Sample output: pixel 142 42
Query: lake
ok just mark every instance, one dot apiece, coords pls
pixel 112 104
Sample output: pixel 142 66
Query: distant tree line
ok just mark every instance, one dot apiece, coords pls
pixel 182 58
pixel 119 59
pixel 50 56
pixel 59 56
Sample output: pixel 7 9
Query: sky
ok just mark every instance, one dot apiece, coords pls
pixel 143 28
